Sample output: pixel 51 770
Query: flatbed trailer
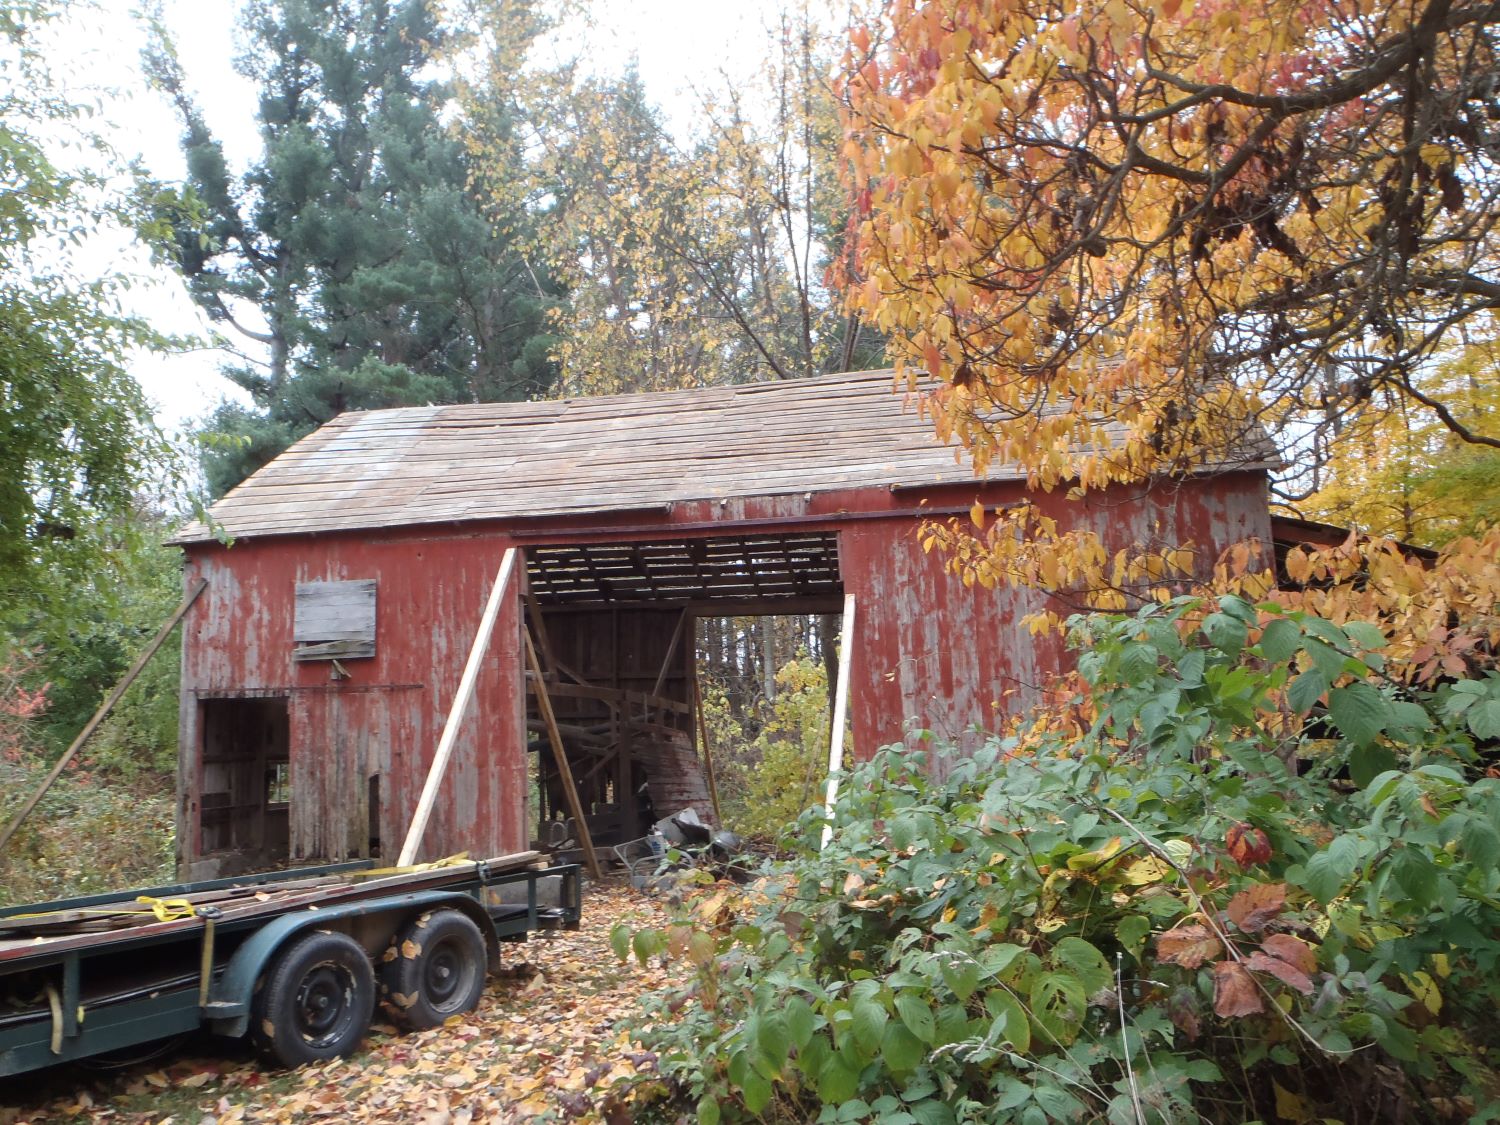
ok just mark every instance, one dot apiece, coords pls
pixel 296 960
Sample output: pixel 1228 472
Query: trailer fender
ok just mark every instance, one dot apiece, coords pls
pixel 228 1007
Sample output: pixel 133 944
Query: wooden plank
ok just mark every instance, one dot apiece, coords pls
pixel 560 755
pixel 104 709
pixel 840 711
pixel 335 611
pixel 455 714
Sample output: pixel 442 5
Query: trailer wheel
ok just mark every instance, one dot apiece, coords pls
pixel 434 969
pixel 317 1000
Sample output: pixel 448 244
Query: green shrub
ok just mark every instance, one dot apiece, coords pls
pixel 1154 919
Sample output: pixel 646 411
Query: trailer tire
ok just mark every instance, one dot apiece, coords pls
pixel 316 1002
pixel 434 969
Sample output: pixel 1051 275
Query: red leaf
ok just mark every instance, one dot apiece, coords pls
pixel 1188 946
pixel 1253 908
pixel 1285 973
pixel 1294 951
pixel 1235 993
pixel 1247 845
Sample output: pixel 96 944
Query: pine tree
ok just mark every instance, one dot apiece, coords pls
pixel 352 259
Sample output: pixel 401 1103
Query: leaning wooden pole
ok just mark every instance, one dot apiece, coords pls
pixel 708 754
pixel 559 752
pixel 109 703
pixel 840 713
pixel 456 712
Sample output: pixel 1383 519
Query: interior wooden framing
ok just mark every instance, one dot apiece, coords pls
pixel 613 625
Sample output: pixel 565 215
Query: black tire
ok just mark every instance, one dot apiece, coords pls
pixel 434 969
pixel 316 1002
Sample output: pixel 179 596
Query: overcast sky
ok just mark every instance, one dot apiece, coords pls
pixel 677 44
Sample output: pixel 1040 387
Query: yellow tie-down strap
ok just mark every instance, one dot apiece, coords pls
pixel 163 909
pixel 447 861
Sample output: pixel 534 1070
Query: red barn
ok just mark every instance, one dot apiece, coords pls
pixel 322 658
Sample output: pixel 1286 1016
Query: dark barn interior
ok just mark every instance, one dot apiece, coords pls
pixel 613 626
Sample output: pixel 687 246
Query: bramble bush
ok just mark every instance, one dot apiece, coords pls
pixel 1262 883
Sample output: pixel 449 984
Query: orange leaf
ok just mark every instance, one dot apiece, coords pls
pixel 1235 993
pixel 1253 908
pixel 1188 946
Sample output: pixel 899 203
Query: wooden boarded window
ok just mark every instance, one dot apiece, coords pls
pixel 334 620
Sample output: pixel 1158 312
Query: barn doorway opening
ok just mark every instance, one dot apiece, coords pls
pixel 246 781
pixel 619 629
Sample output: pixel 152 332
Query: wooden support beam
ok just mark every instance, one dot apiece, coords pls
pixel 708 756
pixel 840 712
pixel 455 713
pixel 564 771
pixel 104 709
pixel 666 664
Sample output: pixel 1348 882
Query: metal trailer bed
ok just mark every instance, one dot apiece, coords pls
pixel 295 959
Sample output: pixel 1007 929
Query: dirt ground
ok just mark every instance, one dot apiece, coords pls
pixel 541 1046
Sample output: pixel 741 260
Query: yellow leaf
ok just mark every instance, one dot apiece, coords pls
pixel 1148 869
pixel 1290 1106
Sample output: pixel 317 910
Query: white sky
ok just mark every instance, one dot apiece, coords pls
pixel 676 44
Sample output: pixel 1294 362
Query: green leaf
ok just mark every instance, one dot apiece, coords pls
pixel 1359 711
pixel 869 1023
pixel 646 943
pixel 838 1081
pixel 756 1092
pixel 961 975
pixel 708 1110
pixel 1058 1003
pixel 1010 1024
pixel 1367 763
pixel 619 940
pixel 1326 872
pixel 932 1112
pixel 1132 932
pixel 800 1021
pixel 1085 962
pixel 1305 691
pixel 1326 659
pixel 774 1040
pixel 916 1014
pixel 1366 634
pixel 900 1049
pixel 1484 719
pixel 1225 633
pixel 1280 640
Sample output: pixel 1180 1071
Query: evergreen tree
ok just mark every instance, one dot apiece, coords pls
pixel 353 258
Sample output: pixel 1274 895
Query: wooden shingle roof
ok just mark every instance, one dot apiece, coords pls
pixel 508 460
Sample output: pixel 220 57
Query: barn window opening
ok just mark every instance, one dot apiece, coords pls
pixel 334 620
pixel 629 637
pixel 245 780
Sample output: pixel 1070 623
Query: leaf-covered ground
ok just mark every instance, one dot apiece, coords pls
pixel 541 1046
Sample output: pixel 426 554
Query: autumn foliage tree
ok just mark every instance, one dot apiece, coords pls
pixel 1192 219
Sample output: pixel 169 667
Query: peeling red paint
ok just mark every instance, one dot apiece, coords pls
pixel 927 650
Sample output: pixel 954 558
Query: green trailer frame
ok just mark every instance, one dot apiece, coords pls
pixel 76 996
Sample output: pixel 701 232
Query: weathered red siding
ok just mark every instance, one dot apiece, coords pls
pixel 933 654
pixel 387 715
pixel 927 650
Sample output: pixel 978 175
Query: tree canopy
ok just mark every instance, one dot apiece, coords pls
pixel 1190 218
pixel 352 260
pixel 76 437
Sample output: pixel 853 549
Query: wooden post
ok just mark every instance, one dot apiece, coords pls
pixel 840 713
pixel 708 754
pixel 455 713
pixel 108 706
pixel 666 664
pixel 564 771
